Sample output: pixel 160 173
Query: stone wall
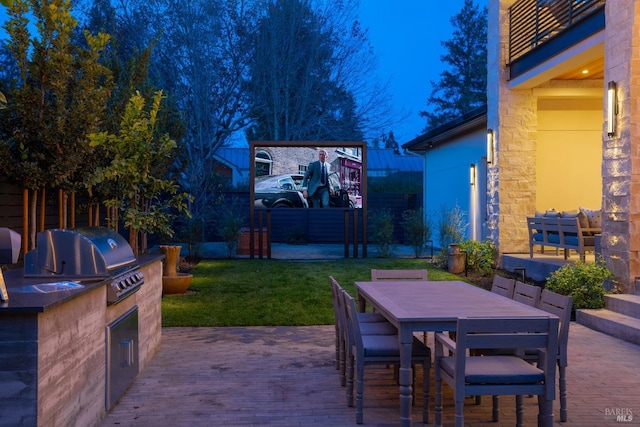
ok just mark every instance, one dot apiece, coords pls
pixel 620 168
pixel 512 116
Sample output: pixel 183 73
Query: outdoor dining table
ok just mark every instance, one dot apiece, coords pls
pixel 419 306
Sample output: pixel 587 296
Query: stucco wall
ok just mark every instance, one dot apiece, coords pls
pixel 447 181
pixel 569 158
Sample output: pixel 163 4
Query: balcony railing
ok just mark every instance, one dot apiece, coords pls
pixel 535 22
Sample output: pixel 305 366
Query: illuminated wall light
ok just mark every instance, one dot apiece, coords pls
pixel 472 174
pixel 612 109
pixel 489 146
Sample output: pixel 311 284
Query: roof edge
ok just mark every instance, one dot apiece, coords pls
pixel 469 121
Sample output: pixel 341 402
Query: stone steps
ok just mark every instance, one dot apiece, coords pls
pixel 620 317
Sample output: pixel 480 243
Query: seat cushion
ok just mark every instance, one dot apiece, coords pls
pixel 387 346
pixel 571 239
pixel 538 237
pixel 553 237
pixel 496 370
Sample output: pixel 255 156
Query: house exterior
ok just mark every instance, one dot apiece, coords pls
pixel 455 165
pixel 562 107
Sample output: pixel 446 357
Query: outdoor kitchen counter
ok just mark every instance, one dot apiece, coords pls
pixel 53 347
pixel 35 302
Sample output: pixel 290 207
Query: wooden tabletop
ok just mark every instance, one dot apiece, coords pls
pixel 430 304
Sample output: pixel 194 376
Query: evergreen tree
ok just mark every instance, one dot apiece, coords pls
pixel 390 142
pixel 463 86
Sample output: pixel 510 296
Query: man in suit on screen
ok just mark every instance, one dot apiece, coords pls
pixel 315 184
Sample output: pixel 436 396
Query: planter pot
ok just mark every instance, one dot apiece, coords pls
pixel 455 260
pixel 173 285
pixel 244 242
pixel 172 281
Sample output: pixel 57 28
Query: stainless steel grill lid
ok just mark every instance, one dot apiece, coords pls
pixel 83 252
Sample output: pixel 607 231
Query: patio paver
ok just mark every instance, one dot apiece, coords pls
pixel 284 376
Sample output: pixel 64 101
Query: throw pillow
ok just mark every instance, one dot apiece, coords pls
pixel 551 213
pixel 594 216
pixel 583 220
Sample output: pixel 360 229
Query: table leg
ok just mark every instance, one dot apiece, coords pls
pixel 405 376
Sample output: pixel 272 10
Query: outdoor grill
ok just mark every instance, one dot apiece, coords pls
pixel 86 254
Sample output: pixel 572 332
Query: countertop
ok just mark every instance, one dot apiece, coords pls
pixel 39 302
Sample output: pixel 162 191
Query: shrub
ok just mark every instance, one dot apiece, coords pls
pixel 382 222
pixel 417 229
pixel 229 223
pixel 451 226
pixel 481 256
pixel 583 282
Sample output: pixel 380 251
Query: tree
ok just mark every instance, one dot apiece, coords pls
pixel 390 142
pixel 202 59
pixel 463 86
pixel 57 91
pixel 310 74
pixel 199 58
pixel 145 199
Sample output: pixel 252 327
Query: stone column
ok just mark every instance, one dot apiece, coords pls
pixel 621 152
pixel 512 114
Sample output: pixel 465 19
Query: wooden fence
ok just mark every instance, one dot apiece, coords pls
pixel 308 225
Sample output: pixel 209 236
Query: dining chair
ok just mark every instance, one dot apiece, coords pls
pixel 372 324
pixel 503 286
pixel 560 305
pixel 420 274
pixel 526 294
pixel 378 350
pixel 498 375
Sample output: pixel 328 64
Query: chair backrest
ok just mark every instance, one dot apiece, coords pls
pixel 352 324
pixel 399 274
pixel 527 294
pixel 503 286
pixel 560 305
pixel 335 296
pixel 516 334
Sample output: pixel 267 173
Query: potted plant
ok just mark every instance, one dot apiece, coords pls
pixel 451 230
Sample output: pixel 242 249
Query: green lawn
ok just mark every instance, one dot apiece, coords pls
pixel 243 292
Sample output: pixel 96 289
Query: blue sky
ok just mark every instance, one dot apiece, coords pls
pixel 406 36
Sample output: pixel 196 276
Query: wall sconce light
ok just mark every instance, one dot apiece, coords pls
pixel 489 146
pixel 472 174
pixel 612 108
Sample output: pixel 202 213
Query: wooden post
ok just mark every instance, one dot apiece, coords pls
pixel 60 210
pixel 346 233
pixel 73 210
pixel 96 218
pixel 355 233
pixel 25 220
pixel 43 208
